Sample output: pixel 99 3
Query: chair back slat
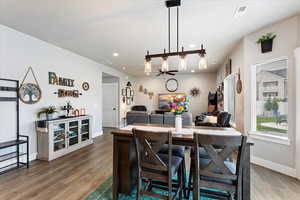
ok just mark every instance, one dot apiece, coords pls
pixel 214 175
pixel 219 149
pixel 217 159
pixel 153 166
pixel 148 145
pixel 219 140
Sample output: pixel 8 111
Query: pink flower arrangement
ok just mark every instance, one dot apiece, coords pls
pixel 178 108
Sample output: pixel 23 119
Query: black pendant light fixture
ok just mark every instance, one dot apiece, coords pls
pixel 182 54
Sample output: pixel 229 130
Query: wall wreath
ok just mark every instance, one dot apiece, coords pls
pixel 195 92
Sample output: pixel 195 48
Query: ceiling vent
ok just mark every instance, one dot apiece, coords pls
pixel 240 11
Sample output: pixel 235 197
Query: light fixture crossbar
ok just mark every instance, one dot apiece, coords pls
pixel 176 53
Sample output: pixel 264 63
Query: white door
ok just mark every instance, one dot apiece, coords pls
pixel 110 105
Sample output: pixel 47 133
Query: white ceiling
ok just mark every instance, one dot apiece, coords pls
pixel 98 28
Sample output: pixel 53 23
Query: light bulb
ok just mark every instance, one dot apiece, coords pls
pixel 182 64
pixel 202 63
pixel 165 65
pixel 148 66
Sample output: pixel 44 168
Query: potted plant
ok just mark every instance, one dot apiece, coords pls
pixel 266 42
pixel 48 112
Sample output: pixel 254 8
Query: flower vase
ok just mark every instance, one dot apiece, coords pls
pixel 50 116
pixel 178 123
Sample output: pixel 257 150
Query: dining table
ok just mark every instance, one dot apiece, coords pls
pixel 124 154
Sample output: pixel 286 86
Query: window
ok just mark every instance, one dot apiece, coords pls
pixel 229 96
pixel 270 84
pixel 270 94
pixel 270 110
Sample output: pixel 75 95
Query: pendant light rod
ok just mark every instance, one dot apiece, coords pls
pixel 169 27
pixel 177 28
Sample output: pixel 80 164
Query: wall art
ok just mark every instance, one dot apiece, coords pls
pixel 171 85
pixel 141 88
pixel 195 92
pixel 55 80
pixel 228 67
pixel 239 85
pixel 30 93
pixel 85 86
pixel 128 94
pixel 145 91
pixel 67 93
pixel 150 94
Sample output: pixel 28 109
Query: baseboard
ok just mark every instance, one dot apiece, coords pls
pixel 98 134
pixel 32 157
pixel 274 166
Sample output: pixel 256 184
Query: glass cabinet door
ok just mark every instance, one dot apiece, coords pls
pixel 85 130
pixel 59 139
pixel 73 138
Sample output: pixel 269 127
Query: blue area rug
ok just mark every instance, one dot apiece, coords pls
pixel 104 192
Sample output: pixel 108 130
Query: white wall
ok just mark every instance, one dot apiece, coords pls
pixel 204 81
pixel 297 135
pixel 238 63
pixel 284 45
pixel 18 51
pixel 278 156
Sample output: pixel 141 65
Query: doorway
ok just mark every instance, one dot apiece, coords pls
pixel 110 101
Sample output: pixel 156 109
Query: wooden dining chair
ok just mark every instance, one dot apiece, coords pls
pixel 217 171
pixel 155 167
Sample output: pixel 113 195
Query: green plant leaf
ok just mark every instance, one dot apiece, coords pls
pixel 268 36
pixel 47 111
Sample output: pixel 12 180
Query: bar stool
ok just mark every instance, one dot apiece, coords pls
pixel 153 166
pixel 217 171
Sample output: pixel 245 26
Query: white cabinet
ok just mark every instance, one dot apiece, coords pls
pixel 62 136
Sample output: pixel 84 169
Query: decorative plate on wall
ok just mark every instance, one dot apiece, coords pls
pixel 85 86
pixel 172 85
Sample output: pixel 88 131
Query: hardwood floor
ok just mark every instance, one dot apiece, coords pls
pixel 267 184
pixel 75 176
pixel 71 177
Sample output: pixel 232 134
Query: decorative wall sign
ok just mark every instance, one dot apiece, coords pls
pixel 30 93
pixel 195 92
pixel 141 88
pixel 172 85
pixel 55 80
pixel 85 86
pixel 228 67
pixel 220 96
pixel 145 91
pixel 127 94
pixel 67 93
pixel 150 94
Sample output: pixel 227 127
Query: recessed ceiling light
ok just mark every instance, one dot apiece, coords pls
pixel 192 71
pixel 115 54
pixel 123 68
pixel 192 45
pixel 240 11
